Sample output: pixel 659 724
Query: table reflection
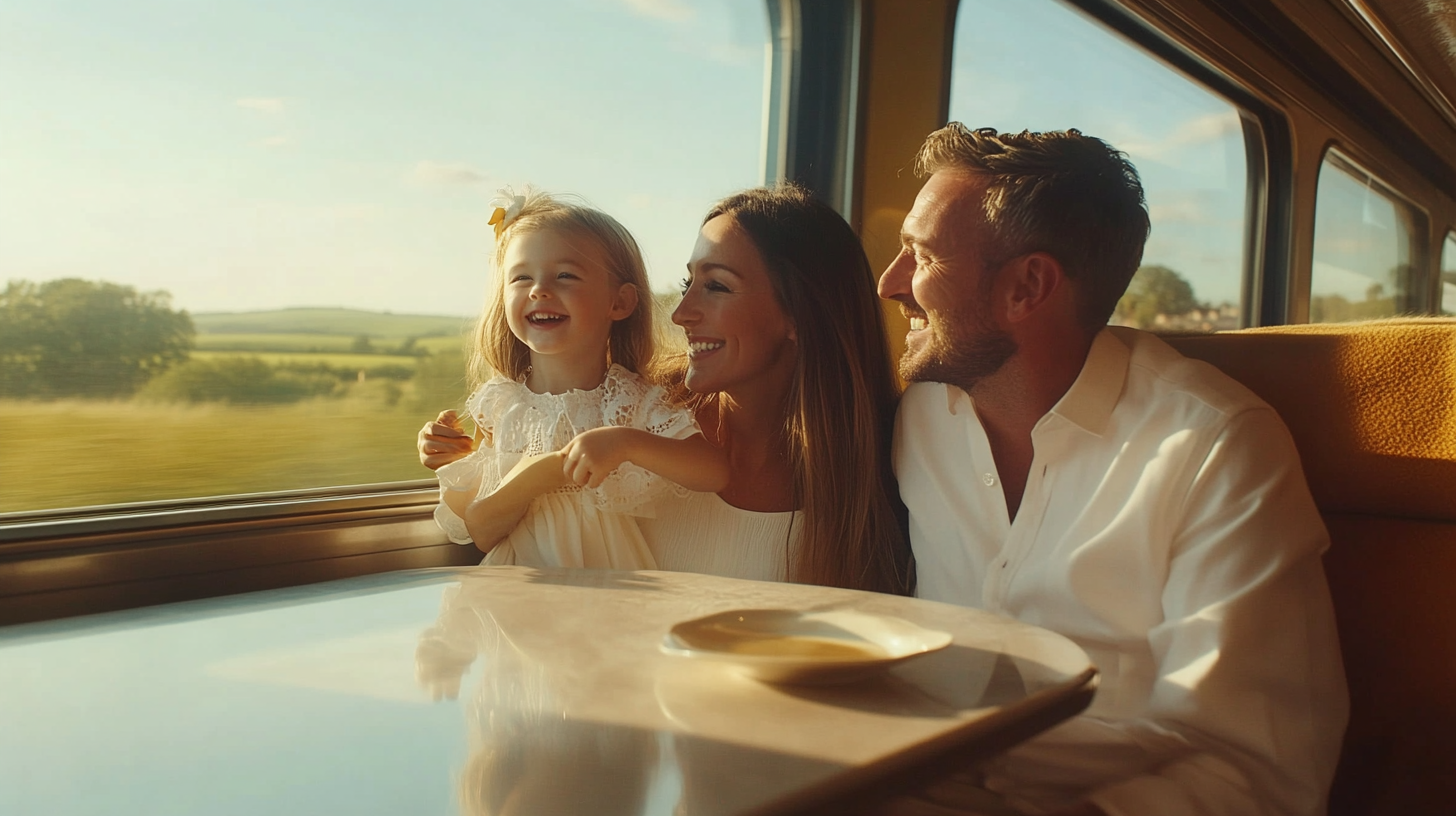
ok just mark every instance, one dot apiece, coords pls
pixel 527 755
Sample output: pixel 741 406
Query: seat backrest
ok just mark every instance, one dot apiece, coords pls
pixel 1372 408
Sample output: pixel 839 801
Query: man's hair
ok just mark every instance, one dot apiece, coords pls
pixel 1071 196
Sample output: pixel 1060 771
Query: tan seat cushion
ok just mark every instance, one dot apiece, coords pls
pixel 1372 407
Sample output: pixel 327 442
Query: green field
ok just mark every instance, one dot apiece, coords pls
pixel 78 453
pixel 75 453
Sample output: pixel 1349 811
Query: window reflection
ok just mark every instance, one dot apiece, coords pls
pixel 1040 65
pixel 1363 242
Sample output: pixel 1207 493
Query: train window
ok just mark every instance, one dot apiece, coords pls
pixel 242 242
pixel 1364 237
pixel 1448 275
pixel 1045 66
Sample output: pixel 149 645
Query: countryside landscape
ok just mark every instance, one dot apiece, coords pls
pixel 254 402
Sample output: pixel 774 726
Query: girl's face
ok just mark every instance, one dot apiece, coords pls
pixel 738 334
pixel 560 298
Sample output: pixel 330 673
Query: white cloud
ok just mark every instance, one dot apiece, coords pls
pixel 1210 127
pixel 673 11
pixel 269 105
pixel 1200 130
pixel 438 173
pixel 1178 211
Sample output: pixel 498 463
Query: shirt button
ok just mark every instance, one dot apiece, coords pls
pixel 988 479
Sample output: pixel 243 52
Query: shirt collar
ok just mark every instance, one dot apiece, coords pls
pixel 1089 402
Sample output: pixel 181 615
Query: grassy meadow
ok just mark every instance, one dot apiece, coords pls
pixel 73 453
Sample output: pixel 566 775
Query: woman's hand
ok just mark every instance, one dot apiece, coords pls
pixel 443 441
pixel 592 455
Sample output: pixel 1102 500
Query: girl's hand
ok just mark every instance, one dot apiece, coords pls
pixel 443 441
pixel 594 454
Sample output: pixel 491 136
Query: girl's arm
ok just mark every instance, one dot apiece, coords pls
pixel 694 462
pixel 492 518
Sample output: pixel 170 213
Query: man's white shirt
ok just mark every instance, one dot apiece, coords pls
pixel 1167 529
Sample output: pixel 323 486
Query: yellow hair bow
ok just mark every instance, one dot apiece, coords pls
pixel 503 216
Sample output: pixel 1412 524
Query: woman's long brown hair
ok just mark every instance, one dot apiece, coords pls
pixel 844 393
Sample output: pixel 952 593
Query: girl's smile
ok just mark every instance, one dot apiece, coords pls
pixel 561 302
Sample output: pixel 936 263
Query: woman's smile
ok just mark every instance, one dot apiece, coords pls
pixel 736 328
pixel 699 347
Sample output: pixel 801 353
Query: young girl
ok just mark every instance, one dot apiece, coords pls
pixel 572 442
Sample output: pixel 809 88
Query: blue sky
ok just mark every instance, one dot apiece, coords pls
pixel 258 154
pixel 247 155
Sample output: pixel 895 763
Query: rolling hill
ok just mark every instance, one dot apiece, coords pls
pixel 325 321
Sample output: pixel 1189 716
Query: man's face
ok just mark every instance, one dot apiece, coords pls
pixel 943 285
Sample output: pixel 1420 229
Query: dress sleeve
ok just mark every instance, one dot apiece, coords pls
pixel 462 475
pixel 479 472
pixel 663 417
pixel 1249 702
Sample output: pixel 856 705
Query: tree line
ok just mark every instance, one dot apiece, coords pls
pixel 74 338
pixel 79 338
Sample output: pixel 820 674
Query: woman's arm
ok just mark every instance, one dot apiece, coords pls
pixel 492 518
pixel 694 462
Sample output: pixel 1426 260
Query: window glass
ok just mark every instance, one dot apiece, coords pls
pixel 1363 237
pixel 1041 65
pixel 240 240
pixel 1448 275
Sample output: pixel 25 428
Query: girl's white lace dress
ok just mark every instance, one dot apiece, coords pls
pixel 572 526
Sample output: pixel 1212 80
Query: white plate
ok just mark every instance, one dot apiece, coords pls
pixel 788 646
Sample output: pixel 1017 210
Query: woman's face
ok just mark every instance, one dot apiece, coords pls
pixel 739 337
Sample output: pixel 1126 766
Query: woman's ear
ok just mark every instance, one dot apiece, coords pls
pixel 625 303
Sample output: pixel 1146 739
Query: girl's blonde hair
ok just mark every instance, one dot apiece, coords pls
pixel 631 344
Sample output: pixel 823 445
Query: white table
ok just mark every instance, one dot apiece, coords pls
pixel 525 691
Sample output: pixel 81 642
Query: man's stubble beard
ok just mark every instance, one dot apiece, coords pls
pixel 964 349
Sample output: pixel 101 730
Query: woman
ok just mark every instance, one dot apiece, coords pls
pixel 792 378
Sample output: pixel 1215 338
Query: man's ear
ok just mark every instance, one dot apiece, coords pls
pixel 625 303
pixel 1032 281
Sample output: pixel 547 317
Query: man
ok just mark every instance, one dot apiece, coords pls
pixel 1092 481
